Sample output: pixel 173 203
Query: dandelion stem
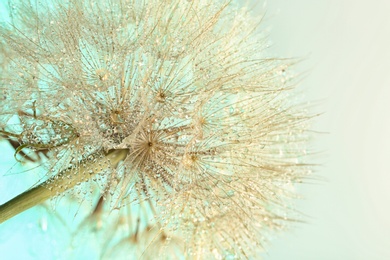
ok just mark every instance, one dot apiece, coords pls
pixel 58 185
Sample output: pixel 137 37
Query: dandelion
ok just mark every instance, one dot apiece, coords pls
pixel 167 115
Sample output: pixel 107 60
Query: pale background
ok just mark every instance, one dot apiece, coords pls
pixel 345 45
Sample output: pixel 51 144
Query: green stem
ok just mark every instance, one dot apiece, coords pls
pixel 60 184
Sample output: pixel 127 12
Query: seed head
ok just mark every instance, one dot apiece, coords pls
pixel 212 143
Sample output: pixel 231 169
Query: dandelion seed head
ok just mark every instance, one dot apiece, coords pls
pixel 186 88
